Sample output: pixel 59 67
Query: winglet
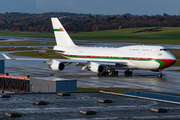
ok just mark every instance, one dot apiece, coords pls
pixel 6 56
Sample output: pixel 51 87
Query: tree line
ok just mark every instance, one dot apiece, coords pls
pixel 83 22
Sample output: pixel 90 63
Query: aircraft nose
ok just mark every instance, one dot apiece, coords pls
pixel 172 62
pixel 169 62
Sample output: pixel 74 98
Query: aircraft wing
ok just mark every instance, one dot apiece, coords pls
pixel 44 59
pixel 83 62
pixel 8 58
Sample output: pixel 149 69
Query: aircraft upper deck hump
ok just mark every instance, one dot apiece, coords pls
pixel 61 36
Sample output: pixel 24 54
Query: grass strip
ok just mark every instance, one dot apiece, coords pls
pixel 26 43
pixel 15 49
pixel 115 90
pixel 27 34
pixel 166 35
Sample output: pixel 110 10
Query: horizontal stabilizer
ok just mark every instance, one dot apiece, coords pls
pixel 6 56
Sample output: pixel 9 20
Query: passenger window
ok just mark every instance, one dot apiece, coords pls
pixel 145 50
pixel 135 49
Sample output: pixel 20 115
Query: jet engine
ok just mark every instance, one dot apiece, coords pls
pixel 96 68
pixel 57 66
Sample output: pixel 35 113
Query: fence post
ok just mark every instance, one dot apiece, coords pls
pixel 3 83
pixel 10 83
pixel 24 85
pixel 17 85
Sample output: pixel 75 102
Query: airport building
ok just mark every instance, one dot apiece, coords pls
pixel 52 84
pixel 21 84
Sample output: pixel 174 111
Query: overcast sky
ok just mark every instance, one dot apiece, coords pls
pixel 135 7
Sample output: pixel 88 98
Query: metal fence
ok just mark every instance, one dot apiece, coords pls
pixel 12 83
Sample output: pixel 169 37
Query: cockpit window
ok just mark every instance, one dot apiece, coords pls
pixel 163 50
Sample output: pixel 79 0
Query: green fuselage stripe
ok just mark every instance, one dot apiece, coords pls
pixel 159 61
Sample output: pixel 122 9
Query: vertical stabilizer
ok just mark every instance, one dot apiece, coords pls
pixel 61 36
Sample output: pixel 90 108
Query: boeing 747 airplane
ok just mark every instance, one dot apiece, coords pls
pixel 105 61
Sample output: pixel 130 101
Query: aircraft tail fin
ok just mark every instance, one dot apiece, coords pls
pixel 61 36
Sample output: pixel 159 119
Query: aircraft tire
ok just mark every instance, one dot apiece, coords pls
pixel 125 73
pixel 107 73
pixel 130 73
pixel 159 75
pixel 116 73
pixel 112 73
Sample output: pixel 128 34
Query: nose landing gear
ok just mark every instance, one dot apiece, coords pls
pixel 160 73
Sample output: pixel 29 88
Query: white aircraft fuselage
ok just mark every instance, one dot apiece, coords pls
pixel 134 57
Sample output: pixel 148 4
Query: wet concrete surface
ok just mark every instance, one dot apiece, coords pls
pixel 141 79
pixel 69 107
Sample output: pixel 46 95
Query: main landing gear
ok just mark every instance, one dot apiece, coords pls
pixel 107 73
pixel 115 73
pixel 128 73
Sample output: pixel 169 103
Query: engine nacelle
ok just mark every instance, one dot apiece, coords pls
pixel 95 67
pixel 57 66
